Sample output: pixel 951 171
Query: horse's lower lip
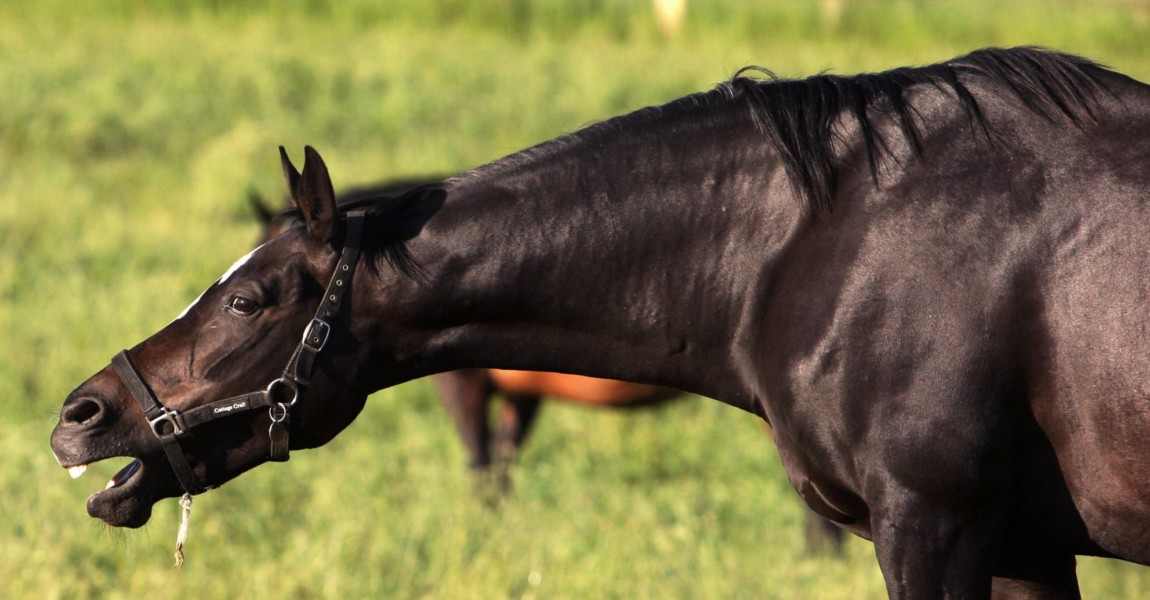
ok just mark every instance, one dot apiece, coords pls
pixel 128 499
pixel 128 503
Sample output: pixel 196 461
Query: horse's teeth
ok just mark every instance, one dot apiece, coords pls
pixel 111 484
pixel 77 470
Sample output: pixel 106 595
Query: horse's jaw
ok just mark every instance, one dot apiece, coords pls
pixel 127 499
pixel 93 429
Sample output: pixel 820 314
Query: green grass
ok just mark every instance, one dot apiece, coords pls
pixel 130 133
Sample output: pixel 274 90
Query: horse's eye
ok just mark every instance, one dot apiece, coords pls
pixel 242 305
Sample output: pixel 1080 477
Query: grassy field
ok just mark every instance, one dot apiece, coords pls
pixel 130 134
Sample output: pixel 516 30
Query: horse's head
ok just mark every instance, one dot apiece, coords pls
pixel 267 351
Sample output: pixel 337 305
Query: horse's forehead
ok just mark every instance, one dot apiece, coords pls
pixel 243 260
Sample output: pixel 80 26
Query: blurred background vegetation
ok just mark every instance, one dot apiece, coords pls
pixel 130 135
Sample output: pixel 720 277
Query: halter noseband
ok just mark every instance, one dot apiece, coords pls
pixel 170 426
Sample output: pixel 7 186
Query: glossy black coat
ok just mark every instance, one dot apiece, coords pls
pixel 931 282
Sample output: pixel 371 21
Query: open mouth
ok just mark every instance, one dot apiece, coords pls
pixel 120 479
pixel 124 475
pixel 124 501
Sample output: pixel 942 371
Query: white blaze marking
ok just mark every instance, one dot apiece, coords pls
pixel 194 302
pixel 236 267
pixel 227 274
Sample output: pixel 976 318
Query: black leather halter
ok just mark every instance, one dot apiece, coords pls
pixel 170 426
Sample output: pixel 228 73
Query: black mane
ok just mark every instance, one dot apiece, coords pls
pixel 797 116
pixel 385 202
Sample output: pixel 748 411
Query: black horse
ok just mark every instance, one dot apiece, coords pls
pixel 930 281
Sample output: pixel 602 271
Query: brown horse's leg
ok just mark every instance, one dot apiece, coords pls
pixel 515 419
pixel 515 423
pixel 822 536
pixel 466 394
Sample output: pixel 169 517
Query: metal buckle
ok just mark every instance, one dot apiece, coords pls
pixel 273 389
pixel 168 416
pixel 316 334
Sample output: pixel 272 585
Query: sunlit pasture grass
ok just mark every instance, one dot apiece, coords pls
pixel 130 135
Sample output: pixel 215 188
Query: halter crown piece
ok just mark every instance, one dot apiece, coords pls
pixel 170 426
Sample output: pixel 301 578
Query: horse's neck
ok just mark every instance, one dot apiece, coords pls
pixel 635 260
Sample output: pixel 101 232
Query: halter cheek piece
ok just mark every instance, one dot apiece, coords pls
pixel 170 426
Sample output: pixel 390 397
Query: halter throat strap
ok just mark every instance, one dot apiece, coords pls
pixel 302 363
pixel 171 426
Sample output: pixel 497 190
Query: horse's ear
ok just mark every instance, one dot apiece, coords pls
pixel 290 172
pixel 312 193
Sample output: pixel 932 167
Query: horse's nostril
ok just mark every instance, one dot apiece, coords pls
pixel 82 410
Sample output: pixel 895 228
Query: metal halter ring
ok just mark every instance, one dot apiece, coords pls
pixel 274 391
pixel 278 412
